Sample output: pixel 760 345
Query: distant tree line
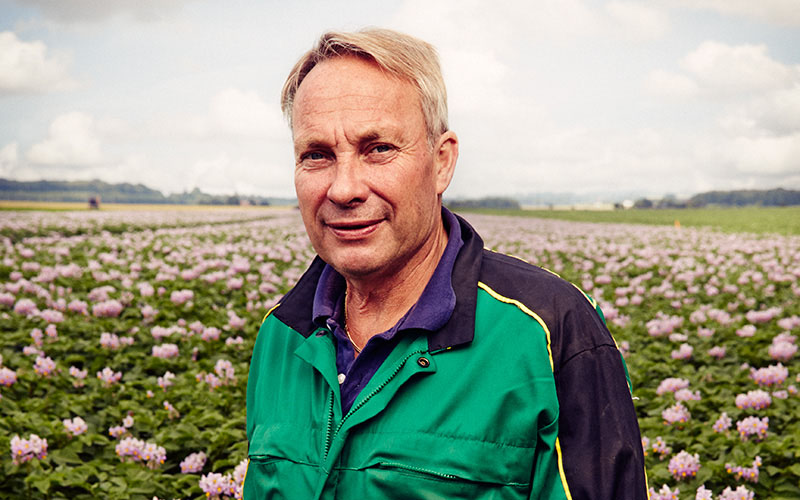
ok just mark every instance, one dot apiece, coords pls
pixel 491 202
pixel 746 197
pixel 83 191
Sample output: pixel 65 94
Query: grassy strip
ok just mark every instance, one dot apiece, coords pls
pixel 760 220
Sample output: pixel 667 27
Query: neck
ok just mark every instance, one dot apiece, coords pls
pixel 376 304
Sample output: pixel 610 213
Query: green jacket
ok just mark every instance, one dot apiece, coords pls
pixel 522 394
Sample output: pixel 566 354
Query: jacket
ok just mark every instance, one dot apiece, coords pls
pixel 522 394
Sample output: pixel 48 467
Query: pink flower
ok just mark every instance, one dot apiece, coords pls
pixel 782 351
pixel 44 366
pixel 79 376
pixel 665 493
pixel 116 431
pixel 7 376
pixel 757 399
pixel 746 331
pixel 109 376
pixel 75 427
pixel 109 340
pixel 717 352
pixel 210 333
pixel 684 352
pixel 25 307
pixel 753 426
pixel 747 473
pixel 51 316
pixel 23 450
pixel 771 375
pixel 723 423
pixel 165 351
pixel 193 463
pixel 78 307
pixel 740 493
pixel 166 380
pixel 180 297
pixel 684 466
pixel 676 414
pixel 107 309
pixel 671 385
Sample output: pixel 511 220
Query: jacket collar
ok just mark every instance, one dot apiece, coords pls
pixel 296 306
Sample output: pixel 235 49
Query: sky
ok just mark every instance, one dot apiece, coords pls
pixel 605 99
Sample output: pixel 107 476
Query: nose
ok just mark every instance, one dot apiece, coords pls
pixel 348 186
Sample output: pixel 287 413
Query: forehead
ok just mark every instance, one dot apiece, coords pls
pixel 353 90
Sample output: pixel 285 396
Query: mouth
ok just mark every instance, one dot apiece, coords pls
pixel 353 229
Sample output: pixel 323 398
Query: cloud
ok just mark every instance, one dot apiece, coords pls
pixel 637 20
pixel 8 158
pixel 779 12
pixel 71 11
pixel 73 140
pixel 25 67
pixel 733 69
pixel 242 113
pixel 668 84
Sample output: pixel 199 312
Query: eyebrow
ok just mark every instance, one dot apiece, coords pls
pixel 312 143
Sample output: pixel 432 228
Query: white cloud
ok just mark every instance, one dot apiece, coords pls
pixel 637 20
pixel 242 113
pixel 765 156
pixel 665 83
pixel 8 158
pixel 73 140
pixel 69 11
pixel 780 12
pixel 26 67
pixel 742 68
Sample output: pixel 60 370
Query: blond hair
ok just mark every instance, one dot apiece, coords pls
pixel 399 54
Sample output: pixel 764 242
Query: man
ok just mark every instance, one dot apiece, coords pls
pixel 408 362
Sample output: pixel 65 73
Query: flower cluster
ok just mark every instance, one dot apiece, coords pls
pixel 723 423
pixel 217 486
pixel 684 466
pixel 665 493
pixel 671 385
pixel 676 414
pixel 44 366
pixel 740 493
pixel 757 399
pixel 107 309
pixel 783 347
pixel 75 426
pixel 7 376
pixel 79 376
pixel 165 351
pixel 746 473
pixel 684 352
pixel 166 380
pixel 108 376
pixel 23 450
pixel 136 450
pixel 753 426
pixel 193 463
pixel 770 376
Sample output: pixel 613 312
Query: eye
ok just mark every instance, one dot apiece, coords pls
pixel 381 148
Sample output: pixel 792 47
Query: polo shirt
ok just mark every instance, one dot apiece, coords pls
pixel 430 313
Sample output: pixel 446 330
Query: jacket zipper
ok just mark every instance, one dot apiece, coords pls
pixel 328 436
pixel 442 475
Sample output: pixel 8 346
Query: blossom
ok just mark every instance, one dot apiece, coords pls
pixel 717 352
pixel 7 376
pixel 665 493
pixel 757 399
pixel 752 426
pixel 687 395
pixel 215 484
pixel 25 307
pixel 109 340
pixel 703 493
pixel 172 413
pixel 782 351
pixel 747 473
pixel 671 385
pixel 75 426
pixel 107 309
pixel 740 493
pixel 684 466
pixel 23 450
pixel 180 297
pixel 127 422
pixel 193 463
pixel 771 375
pixel 51 316
pixel 44 366
pixel 746 331
pixel 683 352
pixel 676 414
pixel 239 341
pixel 165 351
pixel 660 447
pixel 166 380
pixel 109 376
pixel 79 376
pixel 135 450
pixel 723 423
pixel 116 431
pixel 210 333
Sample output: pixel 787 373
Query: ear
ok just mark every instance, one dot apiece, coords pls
pixel 445 155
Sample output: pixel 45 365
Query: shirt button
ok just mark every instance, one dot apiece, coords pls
pixel 423 362
pixel 341 378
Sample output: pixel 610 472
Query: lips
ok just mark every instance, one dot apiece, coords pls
pixel 353 229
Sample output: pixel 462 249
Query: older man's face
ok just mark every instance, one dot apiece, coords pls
pixel 365 175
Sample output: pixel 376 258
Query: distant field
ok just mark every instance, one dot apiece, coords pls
pixel 57 206
pixel 780 220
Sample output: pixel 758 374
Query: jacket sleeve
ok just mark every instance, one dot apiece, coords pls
pixel 599 434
